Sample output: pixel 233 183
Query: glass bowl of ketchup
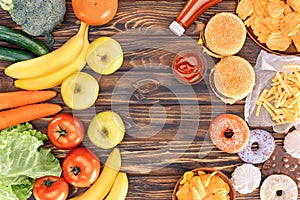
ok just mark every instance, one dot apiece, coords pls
pixel 189 67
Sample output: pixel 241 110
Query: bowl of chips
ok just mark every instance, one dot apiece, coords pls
pixel 273 25
pixel 203 183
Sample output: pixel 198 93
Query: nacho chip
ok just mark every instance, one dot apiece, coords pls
pixel 183 192
pixel 277 41
pixel 244 9
pixel 195 195
pixel 187 176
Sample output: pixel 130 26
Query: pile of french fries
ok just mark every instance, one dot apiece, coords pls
pixel 282 100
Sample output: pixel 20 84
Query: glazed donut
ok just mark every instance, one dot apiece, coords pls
pixel 266 146
pixel 278 187
pixel 238 131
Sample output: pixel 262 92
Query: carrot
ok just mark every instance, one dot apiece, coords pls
pixel 23 97
pixel 27 113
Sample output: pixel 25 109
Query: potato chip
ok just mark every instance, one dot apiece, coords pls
pixel 244 9
pixel 259 25
pixel 290 24
pixel 277 41
pixel 193 188
pixel 196 183
pixel 287 9
pixel 262 37
pixel 186 177
pixel 260 8
pixel 295 4
pixel 273 23
pixel 296 40
pixel 216 184
pixel 275 9
pixel 221 195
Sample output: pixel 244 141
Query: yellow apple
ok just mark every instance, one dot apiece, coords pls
pixel 104 55
pixel 106 129
pixel 79 91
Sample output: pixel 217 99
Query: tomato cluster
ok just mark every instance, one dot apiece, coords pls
pixel 80 168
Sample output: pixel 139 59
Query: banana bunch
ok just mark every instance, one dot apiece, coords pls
pixel 111 184
pixel 51 69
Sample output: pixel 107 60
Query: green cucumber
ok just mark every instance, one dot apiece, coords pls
pixel 22 39
pixel 15 55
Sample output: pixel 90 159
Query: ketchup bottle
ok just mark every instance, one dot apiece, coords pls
pixel 190 12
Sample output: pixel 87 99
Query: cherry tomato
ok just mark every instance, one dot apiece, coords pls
pixel 81 167
pixel 65 131
pixel 50 188
pixel 95 12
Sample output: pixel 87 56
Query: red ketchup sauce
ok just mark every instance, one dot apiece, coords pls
pixel 188 67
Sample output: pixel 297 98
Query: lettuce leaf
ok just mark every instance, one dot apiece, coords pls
pixel 23 160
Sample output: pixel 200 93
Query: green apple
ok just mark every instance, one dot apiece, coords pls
pixel 79 91
pixel 104 55
pixel 106 130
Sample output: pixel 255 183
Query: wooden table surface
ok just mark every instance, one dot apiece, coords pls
pixel 166 121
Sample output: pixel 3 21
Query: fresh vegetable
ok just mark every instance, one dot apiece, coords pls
pixel 79 90
pixel 55 78
pixel 104 183
pixel 23 160
pixel 50 188
pixel 37 17
pixel 21 39
pixel 22 98
pixel 65 131
pixel 81 167
pixel 106 129
pixel 27 113
pixel 105 55
pixel 15 55
pixel 50 62
pixel 95 12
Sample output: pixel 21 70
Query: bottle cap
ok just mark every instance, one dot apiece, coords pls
pixel 176 28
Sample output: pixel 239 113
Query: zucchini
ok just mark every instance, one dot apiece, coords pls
pixel 15 55
pixel 22 39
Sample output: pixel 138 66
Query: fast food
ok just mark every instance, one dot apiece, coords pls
pixel 225 34
pixel 202 184
pixel 274 22
pixel 266 146
pixel 282 100
pixel 233 77
pixel 241 181
pixel 229 133
pixel 278 182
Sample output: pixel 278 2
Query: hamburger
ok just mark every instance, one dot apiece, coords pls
pixel 233 78
pixel 225 34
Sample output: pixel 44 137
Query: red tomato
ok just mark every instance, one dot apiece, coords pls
pixel 50 188
pixel 65 131
pixel 81 167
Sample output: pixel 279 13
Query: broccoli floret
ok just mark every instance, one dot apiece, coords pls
pixel 37 17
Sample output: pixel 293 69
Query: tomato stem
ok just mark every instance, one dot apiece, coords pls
pixel 76 170
pixel 48 182
pixel 62 132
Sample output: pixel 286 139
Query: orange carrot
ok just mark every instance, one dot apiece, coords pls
pixel 23 97
pixel 27 113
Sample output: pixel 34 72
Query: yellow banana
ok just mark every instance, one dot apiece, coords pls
pixel 50 62
pixel 105 181
pixel 55 78
pixel 120 188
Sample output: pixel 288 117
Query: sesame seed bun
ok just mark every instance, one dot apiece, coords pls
pixel 234 77
pixel 225 34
